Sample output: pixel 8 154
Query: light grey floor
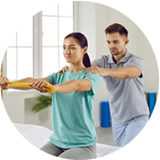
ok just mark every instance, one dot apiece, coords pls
pixel 105 136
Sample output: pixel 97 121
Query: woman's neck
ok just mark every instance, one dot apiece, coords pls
pixel 76 68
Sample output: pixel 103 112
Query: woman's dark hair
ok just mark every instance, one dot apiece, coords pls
pixel 82 41
pixel 117 28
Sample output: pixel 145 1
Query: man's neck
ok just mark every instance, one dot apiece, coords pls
pixel 120 56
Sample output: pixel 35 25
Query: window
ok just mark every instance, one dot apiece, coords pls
pixel 37 50
pixel 56 24
pixel 20 54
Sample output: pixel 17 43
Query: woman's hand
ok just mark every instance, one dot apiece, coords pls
pixel 64 69
pixel 3 82
pixel 39 85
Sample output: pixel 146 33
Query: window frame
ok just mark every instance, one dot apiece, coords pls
pixel 37 45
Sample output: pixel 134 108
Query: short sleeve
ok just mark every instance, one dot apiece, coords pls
pixel 51 78
pixel 137 61
pixel 95 80
pixel 101 62
pixel 97 62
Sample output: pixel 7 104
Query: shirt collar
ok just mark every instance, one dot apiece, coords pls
pixel 124 59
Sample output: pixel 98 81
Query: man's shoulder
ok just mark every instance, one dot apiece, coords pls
pixel 106 57
pixel 102 60
pixel 134 56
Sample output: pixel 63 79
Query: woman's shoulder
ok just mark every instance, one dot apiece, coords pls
pixel 92 75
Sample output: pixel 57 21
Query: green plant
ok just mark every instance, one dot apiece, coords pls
pixel 43 102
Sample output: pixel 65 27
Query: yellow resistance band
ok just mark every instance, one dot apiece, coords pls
pixel 49 88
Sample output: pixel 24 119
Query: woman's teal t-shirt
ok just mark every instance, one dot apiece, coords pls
pixel 72 121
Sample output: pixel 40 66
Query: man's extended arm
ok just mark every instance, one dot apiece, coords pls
pixel 119 73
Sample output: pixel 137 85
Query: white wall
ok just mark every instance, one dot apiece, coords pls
pixel 87 25
pixel 19 106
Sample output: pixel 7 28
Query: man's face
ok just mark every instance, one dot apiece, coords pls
pixel 116 43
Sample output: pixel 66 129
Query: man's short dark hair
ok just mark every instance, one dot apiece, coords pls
pixel 117 28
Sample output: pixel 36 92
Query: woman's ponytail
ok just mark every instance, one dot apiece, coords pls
pixel 86 61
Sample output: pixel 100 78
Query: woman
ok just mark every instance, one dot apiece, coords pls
pixel 74 135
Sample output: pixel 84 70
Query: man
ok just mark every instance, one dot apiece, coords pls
pixel 123 74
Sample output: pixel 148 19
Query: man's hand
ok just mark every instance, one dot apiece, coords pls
pixel 95 70
pixel 64 69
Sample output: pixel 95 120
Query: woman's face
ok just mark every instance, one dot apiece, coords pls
pixel 72 51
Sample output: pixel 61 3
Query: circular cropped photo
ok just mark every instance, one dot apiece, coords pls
pixel 80 81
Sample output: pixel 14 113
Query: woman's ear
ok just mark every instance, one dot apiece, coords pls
pixel 85 49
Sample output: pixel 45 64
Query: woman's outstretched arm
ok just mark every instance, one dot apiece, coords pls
pixel 67 87
pixel 5 80
pixel 74 85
